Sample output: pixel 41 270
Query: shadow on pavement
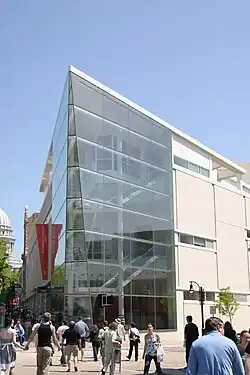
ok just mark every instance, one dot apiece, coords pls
pixel 172 371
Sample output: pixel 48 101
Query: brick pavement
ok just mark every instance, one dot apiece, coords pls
pixel 173 362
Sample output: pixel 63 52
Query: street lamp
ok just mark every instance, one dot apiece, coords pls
pixel 201 299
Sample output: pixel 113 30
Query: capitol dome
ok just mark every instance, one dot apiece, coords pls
pixel 4 219
pixel 5 226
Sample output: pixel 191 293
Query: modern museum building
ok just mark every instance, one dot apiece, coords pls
pixel 133 210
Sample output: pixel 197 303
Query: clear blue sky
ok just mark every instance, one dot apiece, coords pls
pixel 186 61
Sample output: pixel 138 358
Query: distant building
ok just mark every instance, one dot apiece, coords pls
pixel 6 235
pixel 31 222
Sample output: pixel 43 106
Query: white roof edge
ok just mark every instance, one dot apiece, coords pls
pixel 224 161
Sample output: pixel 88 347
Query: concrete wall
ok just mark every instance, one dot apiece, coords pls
pixel 209 209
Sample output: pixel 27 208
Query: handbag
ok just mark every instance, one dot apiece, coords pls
pixel 160 353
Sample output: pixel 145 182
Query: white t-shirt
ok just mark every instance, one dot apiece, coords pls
pixel 35 326
pixel 60 332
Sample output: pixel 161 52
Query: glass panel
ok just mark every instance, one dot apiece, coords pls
pixel 143 312
pixel 164 257
pixel 148 202
pixel 165 313
pixel 142 281
pixel 59 196
pixel 112 136
pixel 88 126
pixel 61 113
pixel 126 251
pixel 159 180
pixel 181 162
pixel 111 312
pixel 73 152
pixel 139 124
pixel 87 155
pixel 96 277
pixel 74 187
pixel 128 308
pixel 161 134
pixel 142 254
pixel 100 218
pixel 164 283
pixel 72 124
pixel 95 245
pixel 98 187
pixel 204 171
pixel 80 306
pixel 185 238
pixel 60 169
pixel 210 244
pixel 86 96
pixel 74 214
pixel 61 218
pixel 76 278
pixel 193 167
pixel 113 247
pixel 113 278
pixel 143 227
pixel 198 241
pixel 75 246
pixel 114 111
pixel 58 277
pixel 62 137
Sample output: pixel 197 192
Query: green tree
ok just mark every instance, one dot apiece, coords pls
pixel 58 276
pixel 226 304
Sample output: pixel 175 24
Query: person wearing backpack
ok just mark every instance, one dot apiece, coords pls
pixel 134 340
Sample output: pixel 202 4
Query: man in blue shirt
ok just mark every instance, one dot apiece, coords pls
pixel 214 354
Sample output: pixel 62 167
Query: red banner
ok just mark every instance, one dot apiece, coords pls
pixel 56 230
pixel 42 231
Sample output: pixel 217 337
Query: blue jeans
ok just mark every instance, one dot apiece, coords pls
pixel 63 356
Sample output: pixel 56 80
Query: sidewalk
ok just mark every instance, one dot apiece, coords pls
pixel 172 364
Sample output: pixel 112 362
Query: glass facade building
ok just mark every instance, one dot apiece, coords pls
pixel 112 194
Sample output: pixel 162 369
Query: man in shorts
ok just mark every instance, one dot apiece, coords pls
pixel 73 344
pixel 83 330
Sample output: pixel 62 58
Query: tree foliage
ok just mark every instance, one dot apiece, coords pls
pixel 58 276
pixel 226 304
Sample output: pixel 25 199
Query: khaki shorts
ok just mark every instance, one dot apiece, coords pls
pixel 71 350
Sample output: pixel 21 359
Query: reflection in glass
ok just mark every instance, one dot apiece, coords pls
pixel 75 246
pixel 85 96
pixel 74 214
pixel 143 311
pixel 119 212
pixel 165 317
pixel 142 281
pixel 77 277
pixel 74 186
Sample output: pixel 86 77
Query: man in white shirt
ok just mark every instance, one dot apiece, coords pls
pixel 120 330
pixel 35 326
pixel 60 332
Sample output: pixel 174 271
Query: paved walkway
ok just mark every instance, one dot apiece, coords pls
pixel 172 365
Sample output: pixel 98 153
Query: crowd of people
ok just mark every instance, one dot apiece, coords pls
pixel 70 339
pixel 219 351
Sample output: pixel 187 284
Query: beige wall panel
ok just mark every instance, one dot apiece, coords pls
pixel 232 258
pixel 230 207
pixel 198 265
pixel 194 205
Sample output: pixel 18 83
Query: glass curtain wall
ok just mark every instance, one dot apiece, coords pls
pixel 119 237
pixel 59 190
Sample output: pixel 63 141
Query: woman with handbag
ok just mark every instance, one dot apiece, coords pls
pixel 151 346
pixel 134 340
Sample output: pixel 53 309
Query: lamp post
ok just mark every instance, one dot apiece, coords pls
pixel 201 299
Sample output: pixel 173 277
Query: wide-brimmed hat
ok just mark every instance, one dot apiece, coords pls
pixel 118 321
